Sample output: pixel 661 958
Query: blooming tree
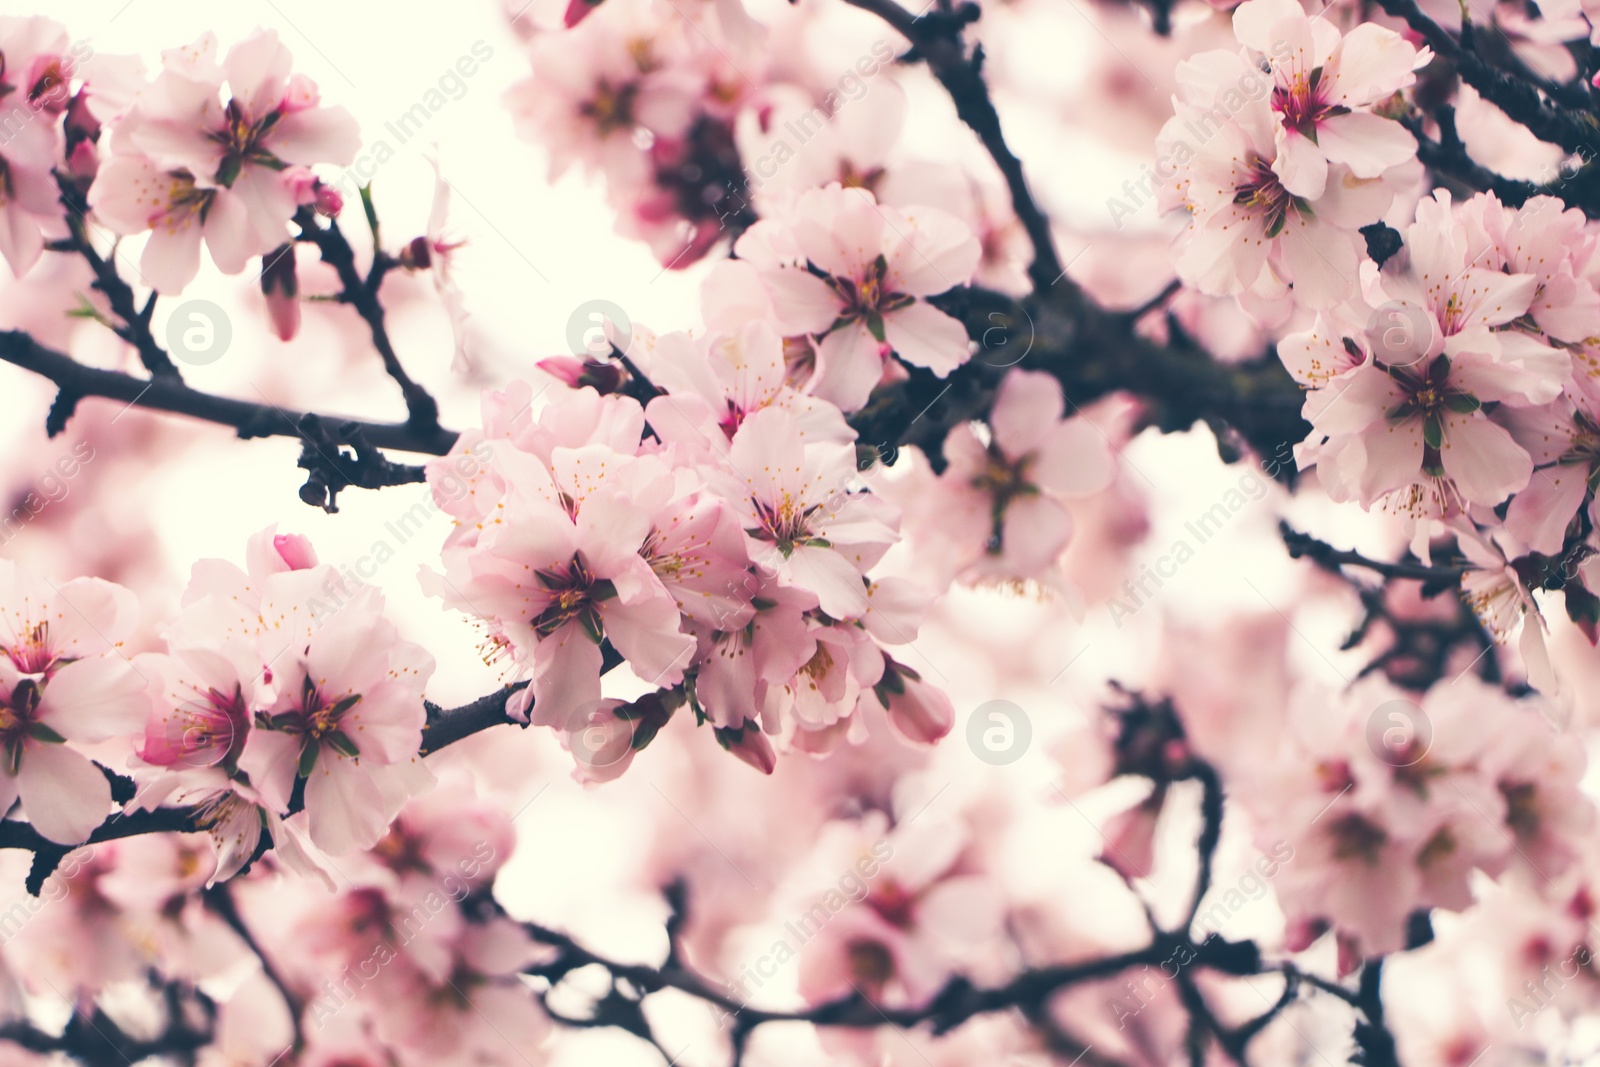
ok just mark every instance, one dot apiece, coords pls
pixel 903 461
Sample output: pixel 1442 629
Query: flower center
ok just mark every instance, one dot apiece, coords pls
pixel 575 595
pixel 612 108
pixel 1356 837
pixel 1004 480
pixel 867 298
pixel 1264 196
pixel 242 138
pixel 1303 104
pixel 32 654
pixel 784 522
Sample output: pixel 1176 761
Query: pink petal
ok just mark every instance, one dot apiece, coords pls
pixel 924 336
pixel 1366 143
pixel 1027 408
pixel 63 794
pixel 1483 460
pixel 830 576
pixel 320 135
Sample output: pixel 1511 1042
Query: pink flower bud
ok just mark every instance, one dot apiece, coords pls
pixel 281 289
pixel 329 202
pixel 752 746
pixel 578 10
pixel 1131 838
pixel 603 378
pixel 921 713
pixel 295 550
pixel 301 183
pixel 417 254
pixel 83 162
pixel 283 312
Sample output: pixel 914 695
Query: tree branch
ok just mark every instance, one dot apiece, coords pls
pixel 936 38
pixel 166 393
pixel 1576 131
pixel 136 323
pixel 1304 545
pixel 362 294
pixel 219 898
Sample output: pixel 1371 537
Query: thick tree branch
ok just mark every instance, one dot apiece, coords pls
pixel 1093 353
pixel 170 395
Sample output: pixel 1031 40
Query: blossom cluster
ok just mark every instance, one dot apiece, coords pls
pixel 277 689
pixel 1391 804
pixel 1445 345
pixel 700 129
pixel 213 149
pixel 1280 153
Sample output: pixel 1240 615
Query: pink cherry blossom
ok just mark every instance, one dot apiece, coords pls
pixel 1325 85
pixel 999 510
pixel 557 568
pixel 190 164
pixel 799 513
pixel 64 681
pixel 346 715
pixel 878 265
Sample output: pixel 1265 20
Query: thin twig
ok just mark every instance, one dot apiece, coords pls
pixel 939 43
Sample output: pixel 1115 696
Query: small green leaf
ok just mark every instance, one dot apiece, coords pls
pixel 308 758
pixel 1432 431
pixel 370 211
pixel 228 172
pixel 875 325
pixel 591 624
pixel 342 744
pixel 40 732
pixel 1462 403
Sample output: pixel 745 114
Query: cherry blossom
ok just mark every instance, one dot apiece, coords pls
pixel 998 512
pixel 64 682
pixel 188 163
pixel 877 265
pixel 39 63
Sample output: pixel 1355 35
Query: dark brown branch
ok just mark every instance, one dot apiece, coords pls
pixel 1576 131
pixel 362 294
pixel 958 1002
pixel 219 898
pixel 1301 545
pixel 937 40
pixel 170 395
pixel 135 328
pixel 1093 353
